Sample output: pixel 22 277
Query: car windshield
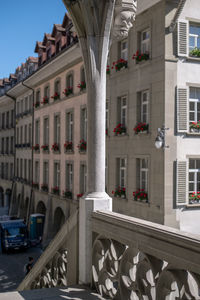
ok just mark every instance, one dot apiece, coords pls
pixel 15 232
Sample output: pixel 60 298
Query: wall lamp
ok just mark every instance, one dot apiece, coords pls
pixel 160 139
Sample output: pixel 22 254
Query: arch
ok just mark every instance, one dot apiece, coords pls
pixel 59 219
pixel 41 208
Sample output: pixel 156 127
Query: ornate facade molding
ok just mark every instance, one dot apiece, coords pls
pixel 124 17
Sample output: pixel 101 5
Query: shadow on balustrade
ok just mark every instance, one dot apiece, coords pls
pixel 72 293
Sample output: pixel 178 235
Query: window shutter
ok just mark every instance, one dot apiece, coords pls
pixel 182 110
pixel 181 182
pixel 183 38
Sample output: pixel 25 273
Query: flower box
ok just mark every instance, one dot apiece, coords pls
pixel 45 100
pixel 82 146
pixel 44 187
pixel 67 194
pixel 82 85
pixel 141 127
pixel 55 190
pixel 120 64
pixel 140 195
pixel 195 127
pixel 140 56
pixel 37 104
pixel 68 146
pixel 68 91
pixel 79 196
pixel 120 129
pixel 119 192
pixel 56 96
pixel 108 70
pixel 195 52
pixel 194 198
pixel 36 147
pixel 45 147
pixel 55 147
pixel 35 185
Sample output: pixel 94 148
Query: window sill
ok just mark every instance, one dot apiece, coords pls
pixel 193 58
pixel 82 152
pixel 143 203
pixel 193 205
pixel 122 134
pixel 69 151
pixel 193 133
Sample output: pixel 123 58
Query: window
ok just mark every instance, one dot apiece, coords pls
pixel 56 174
pixel 49 53
pixel 25 169
pixel 46 92
pixel 29 170
pixel 69 81
pixel 7 119
pixel 84 124
pixel 46 173
pixel 3 121
pixel 37 102
pixel 194 105
pixel 57 87
pixel 25 134
pixel 107 116
pixel 30 102
pixel 30 134
pixel 57 47
pixel 69 177
pixel 144 117
pixel 194 36
pixel 83 178
pixel 2 170
pixel 57 129
pixel 145 41
pixel 17 173
pixel 12 145
pixel 142 174
pixel 69 126
pixel 2 146
pixel 122 109
pixel 106 175
pixel 82 75
pixel 21 167
pixel 17 108
pixel 7 145
pixel 6 171
pixel 194 179
pixel 21 134
pixel 12 118
pixel 11 171
pixel 37 132
pixel 46 131
pixel 37 172
pixel 26 104
pixel 121 172
pixel 124 50
pixel 21 105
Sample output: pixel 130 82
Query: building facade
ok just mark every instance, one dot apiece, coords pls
pixel 152 94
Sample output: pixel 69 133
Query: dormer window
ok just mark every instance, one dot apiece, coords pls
pixel 57 47
pixel 49 53
pixel 40 60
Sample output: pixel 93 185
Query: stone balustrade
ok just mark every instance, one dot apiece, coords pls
pixel 57 266
pixel 137 259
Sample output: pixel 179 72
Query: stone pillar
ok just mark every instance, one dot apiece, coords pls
pixel 93 21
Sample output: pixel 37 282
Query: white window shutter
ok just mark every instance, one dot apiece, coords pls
pixel 183 37
pixel 182 109
pixel 181 182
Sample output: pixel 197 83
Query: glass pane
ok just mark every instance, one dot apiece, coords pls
pixel 192 164
pixel 192 93
pixel 192 41
pixel 191 187
pixel 192 117
pixel 191 176
pixel 191 105
pixel 198 164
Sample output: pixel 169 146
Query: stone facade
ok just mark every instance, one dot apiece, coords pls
pixel 144 74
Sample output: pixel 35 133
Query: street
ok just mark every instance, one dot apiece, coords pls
pixel 12 268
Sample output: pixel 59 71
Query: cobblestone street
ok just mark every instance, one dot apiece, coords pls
pixel 12 268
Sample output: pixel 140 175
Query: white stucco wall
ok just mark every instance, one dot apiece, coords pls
pixel 188 146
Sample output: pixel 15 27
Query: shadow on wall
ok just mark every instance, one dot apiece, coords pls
pixel 73 293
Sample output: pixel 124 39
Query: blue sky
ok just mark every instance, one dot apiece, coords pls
pixel 23 23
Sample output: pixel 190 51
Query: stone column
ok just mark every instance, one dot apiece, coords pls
pixel 93 21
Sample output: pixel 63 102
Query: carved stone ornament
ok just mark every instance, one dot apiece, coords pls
pixel 124 16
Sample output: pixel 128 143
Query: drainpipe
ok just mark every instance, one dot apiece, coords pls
pixel 30 88
pixel 14 167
